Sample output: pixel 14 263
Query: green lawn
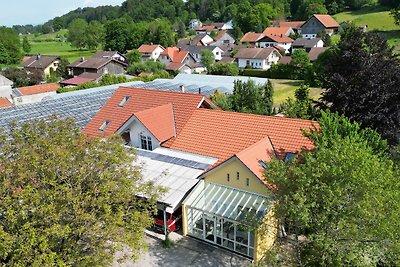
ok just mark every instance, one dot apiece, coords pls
pixel 285 88
pixel 377 18
pixel 61 49
pixel 54 44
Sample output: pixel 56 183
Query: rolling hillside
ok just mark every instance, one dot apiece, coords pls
pixel 377 18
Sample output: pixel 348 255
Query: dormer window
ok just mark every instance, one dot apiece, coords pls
pixel 104 125
pixel 145 142
pixel 124 100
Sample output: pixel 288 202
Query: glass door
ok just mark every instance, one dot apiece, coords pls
pixel 218 231
pixel 209 228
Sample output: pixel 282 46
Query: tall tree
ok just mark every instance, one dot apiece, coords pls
pixel 26 46
pixel 361 82
pixel 95 34
pixel 67 200
pixel 10 46
pixel 207 58
pixel 396 15
pixel 300 63
pixel 117 35
pixel 77 33
pixel 342 199
pixel 301 106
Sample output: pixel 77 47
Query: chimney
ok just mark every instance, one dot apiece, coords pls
pixel 151 43
pixel 38 56
pixel 82 59
pixel 182 87
pixel 199 91
pixel 179 49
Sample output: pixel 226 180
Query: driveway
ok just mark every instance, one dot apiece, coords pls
pixel 185 252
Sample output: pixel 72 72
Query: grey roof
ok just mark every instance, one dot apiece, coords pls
pixel 39 62
pixel 306 43
pixel 79 105
pixel 93 63
pixel 100 54
pixel 196 49
pixel 5 82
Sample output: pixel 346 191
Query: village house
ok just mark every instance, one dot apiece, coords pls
pixel 83 78
pixel 100 65
pixel 277 40
pixel 177 60
pixel 34 93
pixel 286 31
pixel 257 58
pixel 168 130
pixel 307 44
pixel 111 54
pixel 223 38
pixel 317 24
pixel 200 40
pixel 195 51
pixel 251 39
pixel 193 23
pixel 45 64
pixel 150 52
pixel 295 25
pixel 205 29
pixel 315 52
pixel 5 91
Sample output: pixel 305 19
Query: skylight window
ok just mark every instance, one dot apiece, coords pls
pixel 104 125
pixel 124 100
pixel 289 156
pixel 263 164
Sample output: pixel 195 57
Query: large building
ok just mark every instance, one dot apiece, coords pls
pixel 216 161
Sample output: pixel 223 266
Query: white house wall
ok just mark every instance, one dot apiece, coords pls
pixel 135 129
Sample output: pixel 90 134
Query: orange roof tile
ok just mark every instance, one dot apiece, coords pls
pixel 327 21
pixel 278 38
pixel 259 151
pixel 39 89
pixel 277 31
pixel 219 36
pixel 141 99
pixel 207 28
pixel 159 121
pixel 222 134
pixel 175 54
pixel 292 24
pixel 251 37
pixel 144 48
pixel 5 103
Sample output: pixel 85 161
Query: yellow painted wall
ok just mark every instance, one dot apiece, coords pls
pixel 265 236
pixel 53 66
pixel 184 221
pixel 219 176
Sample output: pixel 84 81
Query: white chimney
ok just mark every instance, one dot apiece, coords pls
pixel 182 87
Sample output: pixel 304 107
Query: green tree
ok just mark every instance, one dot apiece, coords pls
pixel 307 8
pixel 301 106
pixel 94 34
pixel 221 99
pixel 360 79
pixel 118 35
pixel 26 46
pixel 67 200
pixel 161 32
pixel 10 46
pixel 250 97
pixel 134 56
pixel 300 63
pixel 207 58
pixel 58 24
pixel 77 33
pixel 227 69
pixel 396 15
pixel 62 70
pixel 340 203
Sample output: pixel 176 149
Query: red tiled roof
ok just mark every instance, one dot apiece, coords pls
pixel 277 31
pixel 141 99
pixel 159 121
pixel 315 52
pixel 5 103
pixel 222 134
pixel 251 37
pixel 77 81
pixel 285 60
pixel 260 53
pixel 207 28
pixel 219 36
pixel 327 21
pixel 144 48
pixel 250 156
pixel 39 89
pixel 174 66
pixel 277 38
pixel 175 54
pixel 292 24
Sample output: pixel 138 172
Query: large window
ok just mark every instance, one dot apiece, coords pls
pixel 146 142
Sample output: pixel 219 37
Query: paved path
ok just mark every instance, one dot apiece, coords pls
pixel 185 252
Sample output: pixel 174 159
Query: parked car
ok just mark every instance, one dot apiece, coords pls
pixel 174 220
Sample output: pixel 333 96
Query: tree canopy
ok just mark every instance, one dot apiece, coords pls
pixel 341 201
pixel 361 81
pixel 67 200
pixel 10 46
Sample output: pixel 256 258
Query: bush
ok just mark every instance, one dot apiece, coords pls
pixel 254 73
pixel 146 66
pixel 227 69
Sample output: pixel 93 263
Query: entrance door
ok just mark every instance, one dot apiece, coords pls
pixel 209 228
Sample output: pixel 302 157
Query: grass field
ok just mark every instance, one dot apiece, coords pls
pixel 54 44
pixel 285 88
pixel 377 18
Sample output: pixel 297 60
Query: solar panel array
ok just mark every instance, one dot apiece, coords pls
pixel 174 160
pixel 176 87
pixel 81 108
